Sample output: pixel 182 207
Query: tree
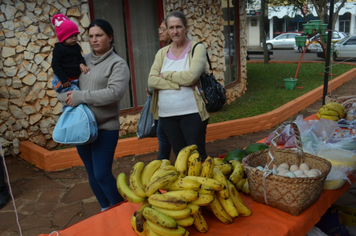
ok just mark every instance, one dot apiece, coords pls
pixel 321 7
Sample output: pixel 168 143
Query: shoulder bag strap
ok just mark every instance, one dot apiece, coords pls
pixel 207 56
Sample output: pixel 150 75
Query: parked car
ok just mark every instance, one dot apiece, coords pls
pixel 345 48
pixel 315 46
pixel 286 40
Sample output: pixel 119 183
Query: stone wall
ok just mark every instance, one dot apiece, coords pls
pixel 29 108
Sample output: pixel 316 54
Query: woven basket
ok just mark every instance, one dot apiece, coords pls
pixel 291 195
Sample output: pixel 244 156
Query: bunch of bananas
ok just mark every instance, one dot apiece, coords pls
pixel 172 196
pixel 331 111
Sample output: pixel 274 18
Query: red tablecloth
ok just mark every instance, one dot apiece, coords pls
pixel 265 220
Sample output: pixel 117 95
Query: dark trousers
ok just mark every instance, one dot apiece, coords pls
pixel 164 146
pixel 186 130
pixel 3 186
pixel 98 159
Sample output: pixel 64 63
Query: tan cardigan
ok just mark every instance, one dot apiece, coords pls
pixel 175 79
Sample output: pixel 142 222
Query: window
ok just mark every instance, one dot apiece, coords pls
pixel 230 10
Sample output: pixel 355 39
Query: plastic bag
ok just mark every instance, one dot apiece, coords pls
pixel 303 125
pixel 290 142
pixel 335 179
pixel 324 129
pixel 351 114
pixel 146 124
pixel 310 142
pixel 286 133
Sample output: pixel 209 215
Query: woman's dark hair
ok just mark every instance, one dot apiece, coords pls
pixel 105 26
pixel 179 15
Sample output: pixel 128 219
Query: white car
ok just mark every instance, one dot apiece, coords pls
pixel 345 48
pixel 315 46
pixel 286 40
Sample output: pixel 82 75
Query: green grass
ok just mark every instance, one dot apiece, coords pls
pixel 265 92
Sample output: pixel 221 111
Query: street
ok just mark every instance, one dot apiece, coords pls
pixel 292 55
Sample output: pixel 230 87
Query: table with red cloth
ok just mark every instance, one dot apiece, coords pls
pixel 265 220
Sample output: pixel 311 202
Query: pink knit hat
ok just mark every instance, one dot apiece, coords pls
pixel 64 27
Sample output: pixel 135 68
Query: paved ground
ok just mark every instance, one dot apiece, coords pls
pixel 50 201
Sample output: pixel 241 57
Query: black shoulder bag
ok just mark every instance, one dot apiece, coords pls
pixel 213 93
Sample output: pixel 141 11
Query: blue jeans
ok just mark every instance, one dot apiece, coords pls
pixel 57 85
pixel 186 130
pixel 164 146
pixel 98 159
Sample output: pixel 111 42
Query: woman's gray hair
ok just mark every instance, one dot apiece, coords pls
pixel 179 15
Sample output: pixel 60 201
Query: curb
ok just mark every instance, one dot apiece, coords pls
pixel 67 158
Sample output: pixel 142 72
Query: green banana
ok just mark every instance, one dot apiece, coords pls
pixel 174 214
pixel 159 218
pixel 180 231
pixel 237 173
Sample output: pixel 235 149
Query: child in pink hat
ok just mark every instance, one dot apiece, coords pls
pixel 67 59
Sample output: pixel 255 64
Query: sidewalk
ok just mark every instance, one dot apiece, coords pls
pixel 50 201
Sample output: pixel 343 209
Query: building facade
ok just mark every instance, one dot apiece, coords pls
pixel 29 108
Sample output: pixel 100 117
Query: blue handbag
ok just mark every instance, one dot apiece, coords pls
pixel 76 126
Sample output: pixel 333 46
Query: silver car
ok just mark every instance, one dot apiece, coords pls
pixel 286 40
pixel 345 48
pixel 315 46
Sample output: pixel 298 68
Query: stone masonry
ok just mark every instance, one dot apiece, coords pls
pixel 29 108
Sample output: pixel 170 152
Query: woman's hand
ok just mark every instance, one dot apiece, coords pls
pixel 69 99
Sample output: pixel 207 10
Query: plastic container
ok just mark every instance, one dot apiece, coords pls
pixel 308 28
pixel 323 28
pixel 290 83
pixel 300 40
pixel 316 24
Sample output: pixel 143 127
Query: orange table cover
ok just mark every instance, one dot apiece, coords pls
pixel 265 220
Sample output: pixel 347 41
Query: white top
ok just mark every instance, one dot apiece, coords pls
pixel 181 101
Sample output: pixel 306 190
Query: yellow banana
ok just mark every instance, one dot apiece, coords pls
pixel 218 161
pixel 165 162
pixel 161 170
pixel 135 179
pixel 181 163
pixel 125 191
pixel 240 184
pixel 194 163
pixel 318 116
pixel 203 200
pixel 218 175
pixel 148 171
pixel 180 231
pixel 229 206
pixel 237 173
pixel 213 183
pixel 246 188
pixel 207 167
pixel 149 231
pixel 225 168
pixel 133 225
pixel 167 202
pixel 188 221
pixel 206 190
pixel 220 212
pixel 175 214
pixel 159 218
pixel 325 111
pixel 194 208
pixel 334 118
pixel 188 195
pixel 183 184
pixel 338 105
pixel 200 223
pixel 160 181
pixel 337 109
pixel 236 198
